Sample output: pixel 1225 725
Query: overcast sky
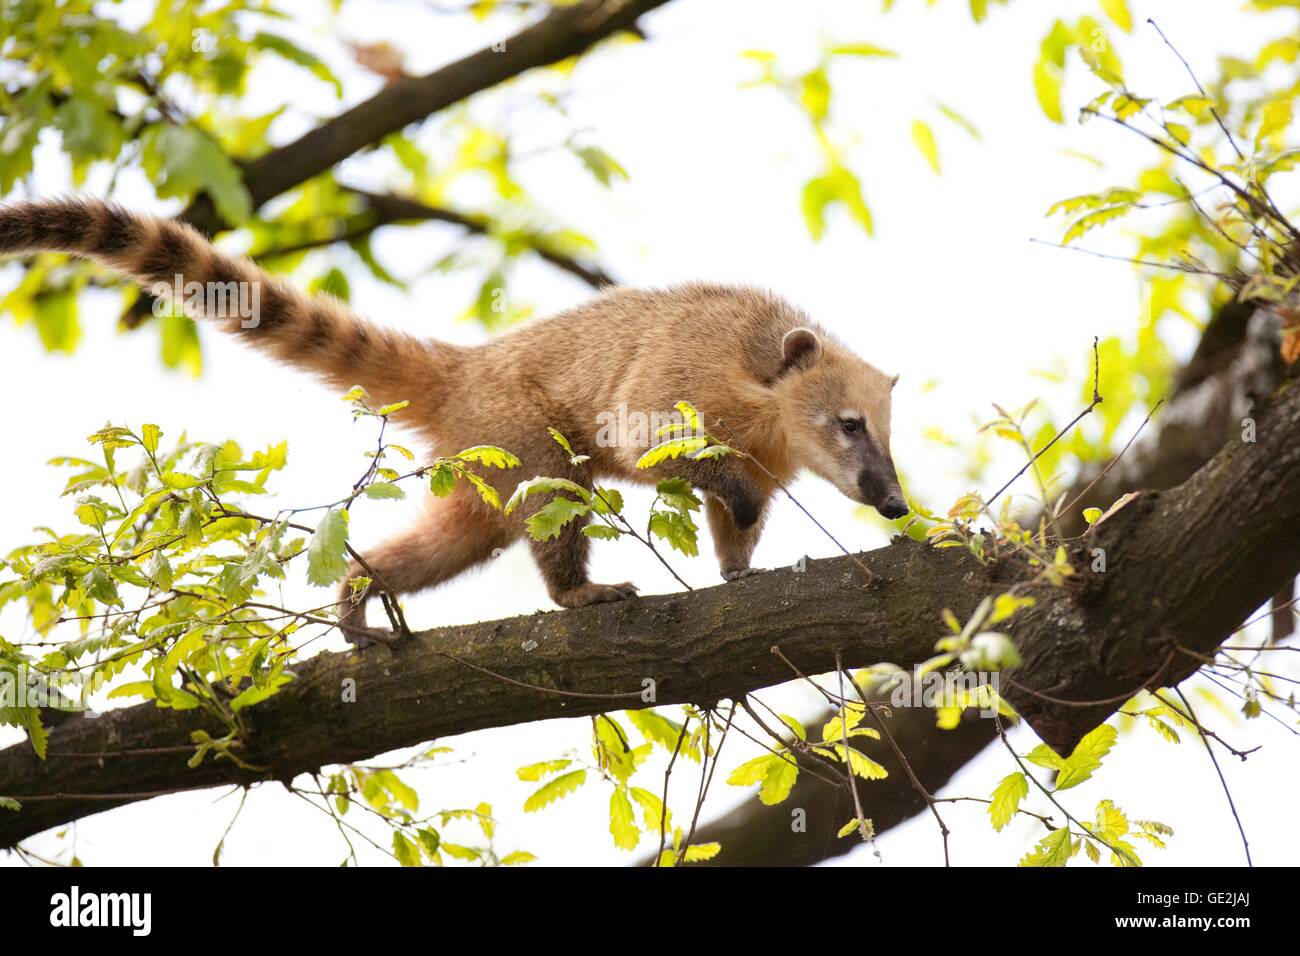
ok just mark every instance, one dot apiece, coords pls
pixel 950 291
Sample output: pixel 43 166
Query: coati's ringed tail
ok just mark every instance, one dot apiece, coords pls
pixel 318 333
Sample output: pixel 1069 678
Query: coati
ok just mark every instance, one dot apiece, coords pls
pixel 783 391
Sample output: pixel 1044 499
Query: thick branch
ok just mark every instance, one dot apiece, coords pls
pixel 386 209
pixel 1236 363
pixel 564 32
pixel 1183 569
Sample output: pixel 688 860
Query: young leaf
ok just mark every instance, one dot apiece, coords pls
pixel 1006 799
pixel 327 559
pixel 557 789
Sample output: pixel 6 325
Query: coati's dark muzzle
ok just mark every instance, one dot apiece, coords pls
pixel 883 493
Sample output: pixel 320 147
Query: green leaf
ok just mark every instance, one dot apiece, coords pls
pixel 36 732
pixel 560 440
pixel 924 139
pixel 442 480
pixel 960 120
pixel 862 765
pixel 407 853
pixel 854 825
pixel 677 494
pixel 183 161
pixel 384 489
pixel 295 54
pixel 541 485
pixel 56 321
pixel 1093 219
pixel 657 729
pixel 607 501
pixel 88 129
pixel 1277 117
pixel 536 771
pixel 776 774
pixel 557 789
pixel 622 821
pixel 600 164
pixel 837 185
pixel 1047 87
pixel 656 817
pixel 485 491
pixel 150 435
pixel 673 448
pixel 815 94
pixel 677 529
pixel 327 559
pixel 862 49
pixel 551 518
pixel 1052 850
pixel 1118 11
pixel 1006 799
pixel 1082 763
pixel 602 532
pixel 778 783
pixel 489 455
pixel 701 851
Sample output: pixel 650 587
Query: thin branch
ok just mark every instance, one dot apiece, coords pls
pixel 1217 769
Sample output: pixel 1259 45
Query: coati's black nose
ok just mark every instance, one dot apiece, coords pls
pixel 893 507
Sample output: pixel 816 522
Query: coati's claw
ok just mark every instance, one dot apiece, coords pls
pixel 363 637
pixel 589 593
pixel 738 573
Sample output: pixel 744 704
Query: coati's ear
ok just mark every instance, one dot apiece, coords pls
pixel 801 348
pixel 892 382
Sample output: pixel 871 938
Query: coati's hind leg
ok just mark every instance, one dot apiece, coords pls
pixel 453 535
pixel 733 545
pixel 563 559
pixel 563 563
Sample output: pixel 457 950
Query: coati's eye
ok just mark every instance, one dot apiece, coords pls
pixel 850 425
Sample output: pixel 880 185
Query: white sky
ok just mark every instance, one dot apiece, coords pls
pixel 949 290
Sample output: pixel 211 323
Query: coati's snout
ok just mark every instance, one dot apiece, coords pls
pixel 836 410
pixel 883 493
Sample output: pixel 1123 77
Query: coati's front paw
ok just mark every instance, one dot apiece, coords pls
pixel 363 637
pixel 735 574
pixel 589 593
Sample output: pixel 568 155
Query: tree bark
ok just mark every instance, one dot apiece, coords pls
pixel 1183 569
pixel 1236 363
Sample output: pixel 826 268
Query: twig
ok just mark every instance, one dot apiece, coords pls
pixel 1222 780
pixel 663 808
pixel 1096 400
pixel 863 829
pixel 871 575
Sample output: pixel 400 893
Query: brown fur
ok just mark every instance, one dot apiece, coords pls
pixel 764 377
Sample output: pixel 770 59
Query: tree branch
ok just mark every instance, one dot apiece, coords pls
pixel 1236 362
pixel 564 32
pixel 1185 567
